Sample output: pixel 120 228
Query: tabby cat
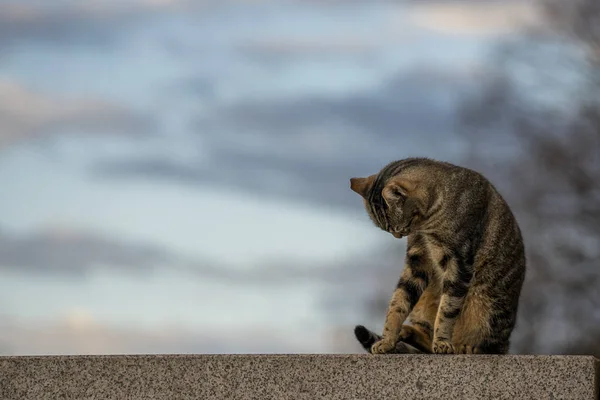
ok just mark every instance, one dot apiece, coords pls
pixel 465 259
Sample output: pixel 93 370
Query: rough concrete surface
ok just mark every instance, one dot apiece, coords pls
pixel 298 377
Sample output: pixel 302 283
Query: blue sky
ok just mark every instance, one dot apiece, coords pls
pixel 175 174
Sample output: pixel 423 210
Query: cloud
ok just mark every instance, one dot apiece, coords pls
pixel 63 23
pixel 323 46
pixel 274 50
pixel 306 148
pixel 77 335
pixel 70 22
pixel 353 271
pixel 102 23
pixel 62 251
pixel 28 114
pixel 77 331
pixel 473 18
pixel 87 23
pixel 382 33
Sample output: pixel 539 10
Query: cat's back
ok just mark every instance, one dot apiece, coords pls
pixel 467 199
pixel 472 213
pixel 435 173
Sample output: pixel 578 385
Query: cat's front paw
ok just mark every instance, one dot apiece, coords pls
pixel 443 347
pixel 383 346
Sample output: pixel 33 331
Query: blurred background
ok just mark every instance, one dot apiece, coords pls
pixel 174 173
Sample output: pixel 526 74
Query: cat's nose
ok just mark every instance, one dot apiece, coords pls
pixel 397 234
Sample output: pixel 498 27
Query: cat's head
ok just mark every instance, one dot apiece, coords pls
pixel 392 203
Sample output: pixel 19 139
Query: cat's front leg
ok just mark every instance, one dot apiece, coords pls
pixel 457 280
pixel 411 285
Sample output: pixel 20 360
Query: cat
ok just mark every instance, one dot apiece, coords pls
pixel 465 259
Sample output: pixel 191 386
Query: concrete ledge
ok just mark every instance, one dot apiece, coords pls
pixel 298 377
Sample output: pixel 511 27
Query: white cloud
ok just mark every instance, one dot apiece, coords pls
pixel 74 22
pixel 318 45
pixel 78 333
pixel 79 318
pixel 28 114
pixel 473 17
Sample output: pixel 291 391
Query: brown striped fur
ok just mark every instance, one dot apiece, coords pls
pixel 465 259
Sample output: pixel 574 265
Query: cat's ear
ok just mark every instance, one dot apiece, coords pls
pixel 397 188
pixel 362 185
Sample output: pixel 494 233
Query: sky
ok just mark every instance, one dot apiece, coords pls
pixel 175 173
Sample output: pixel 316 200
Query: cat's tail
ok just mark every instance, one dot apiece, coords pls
pixel 367 338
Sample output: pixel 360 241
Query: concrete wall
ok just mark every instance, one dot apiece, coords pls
pixel 298 377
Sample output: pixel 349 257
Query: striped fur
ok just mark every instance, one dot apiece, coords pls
pixel 464 265
pixel 367 338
